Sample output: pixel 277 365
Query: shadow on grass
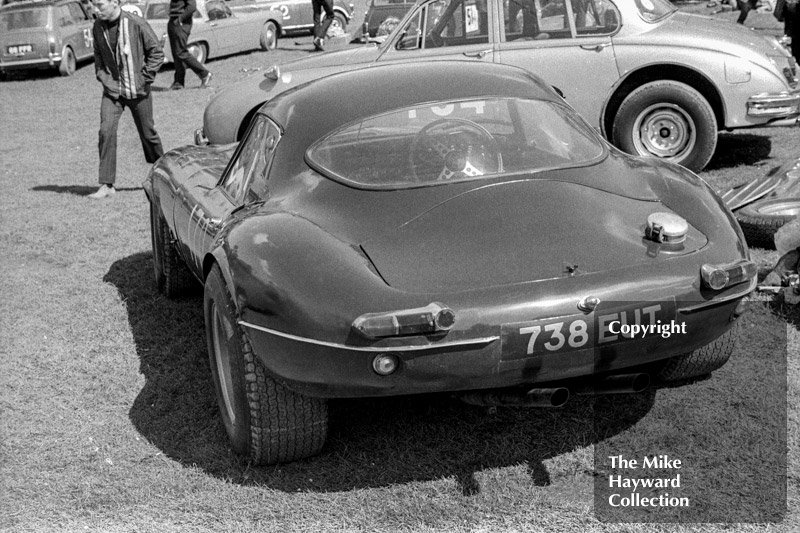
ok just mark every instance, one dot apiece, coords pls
pixel 735 149
pixel 372 442
pixel 77 190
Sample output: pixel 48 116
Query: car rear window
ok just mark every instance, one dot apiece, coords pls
pixel 456 140
pixel 23 19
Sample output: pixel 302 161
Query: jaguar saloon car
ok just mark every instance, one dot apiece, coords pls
pixel 456 229
pixel 46 34
pixel 217 31
pixel 654 80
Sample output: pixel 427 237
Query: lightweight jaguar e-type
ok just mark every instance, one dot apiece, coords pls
pixel 458 229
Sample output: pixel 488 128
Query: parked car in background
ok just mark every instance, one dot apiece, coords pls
pixel 456 228
pixel 218 31
pixel 654 80
pixel 383 16
pixel 298 15
pixel 45 34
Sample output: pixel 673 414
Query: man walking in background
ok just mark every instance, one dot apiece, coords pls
pixel 127 56
pixel 321 25
pixel 178 30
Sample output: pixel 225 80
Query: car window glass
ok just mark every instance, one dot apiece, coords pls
pixel 456 140
pixel 76 12
pixel 22 20
pixel 217 10
pixel 157 11
pixel 258 189
pixel 249 160
pixel 63 16
pixel 411 34
pixel 528 20
pixel 594 17
pixel 448 23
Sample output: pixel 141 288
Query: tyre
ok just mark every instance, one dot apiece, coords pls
pixel 199 51
pixel 701 361
pixel 173 278
pixel 667 119
pixel 338 26
pixel 68 65
pixel 264 420
pixel 269 36
pixel 760 220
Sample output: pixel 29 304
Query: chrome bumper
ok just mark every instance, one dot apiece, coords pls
pixel 43 62
pixel 774 105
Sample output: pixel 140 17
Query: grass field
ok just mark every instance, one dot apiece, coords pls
pixel 108 420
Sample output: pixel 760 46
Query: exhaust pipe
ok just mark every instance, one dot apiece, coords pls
pixel 555 397
pixel 620 384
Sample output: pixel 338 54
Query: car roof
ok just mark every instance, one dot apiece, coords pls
pixel 311 110
pixel 27 4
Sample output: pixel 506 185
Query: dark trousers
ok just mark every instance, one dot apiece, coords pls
pixel 110 111
pixel 321 29
pixel 178 40
pixel 745 6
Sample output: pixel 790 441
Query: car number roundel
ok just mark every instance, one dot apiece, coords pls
pixel 580 331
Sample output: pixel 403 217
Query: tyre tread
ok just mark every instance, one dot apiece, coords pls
pixel 701 361
pixel 759 229
pixel 284 425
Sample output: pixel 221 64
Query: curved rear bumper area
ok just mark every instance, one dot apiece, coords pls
pixel 338 371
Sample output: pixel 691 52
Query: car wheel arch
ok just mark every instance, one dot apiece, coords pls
pixel 343 12
pixel 650 73
pixel 218 257
pixel 206 49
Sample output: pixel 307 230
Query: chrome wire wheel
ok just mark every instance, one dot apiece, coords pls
pixel 222 357
pixel 665 130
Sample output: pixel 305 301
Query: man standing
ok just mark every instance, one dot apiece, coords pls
pixel 127 56
pixel 321 25
pixel 178 29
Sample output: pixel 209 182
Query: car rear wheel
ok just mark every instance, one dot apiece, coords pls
pixel 269 36
pixel 68 64
pixel 173 278
pixel 263 419
pixel 669 120
pixel 762 219
pixel 338 26
pixel 701 361
pixel 199 51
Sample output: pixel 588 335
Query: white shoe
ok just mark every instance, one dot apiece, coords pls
pixel 103 192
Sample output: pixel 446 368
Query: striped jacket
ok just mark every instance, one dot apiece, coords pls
pixel 128 71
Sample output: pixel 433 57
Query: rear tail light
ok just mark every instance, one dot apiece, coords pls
pixel 718 277
pixel 432 318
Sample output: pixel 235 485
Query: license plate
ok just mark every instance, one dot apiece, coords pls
pixel 580 332
pixel 20 49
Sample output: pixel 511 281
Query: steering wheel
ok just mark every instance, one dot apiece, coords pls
pixel 453 148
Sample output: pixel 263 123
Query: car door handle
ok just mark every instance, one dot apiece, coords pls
pixel 478 55
pixel 596 47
